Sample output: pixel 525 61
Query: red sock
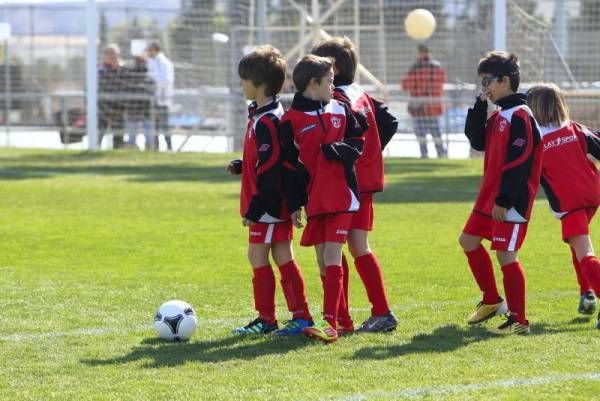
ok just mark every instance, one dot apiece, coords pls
pixel 514 288
pixel 582 280
pixel 483 271
pixel 344 309
pixel 590 266
pixel 263 284
pixel 292 283
pixel 331 296
pixel 370 272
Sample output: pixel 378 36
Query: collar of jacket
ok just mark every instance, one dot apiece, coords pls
pixel 510 101
pixel 305 104
pixel 253 110
pixel 342 81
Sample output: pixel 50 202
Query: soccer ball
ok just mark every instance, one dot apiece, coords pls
pixel 419 24
pixel 175 320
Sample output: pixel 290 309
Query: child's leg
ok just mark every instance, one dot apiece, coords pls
pixel 344 309
pixel 514 284
pixel 369 271
pixel 263 281
pixel 584 284
pixel 332 259
pixel 481 266
pixel 590 266
pixel 292 281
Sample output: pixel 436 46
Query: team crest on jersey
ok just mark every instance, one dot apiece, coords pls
pixel 336 121
pixel 502 126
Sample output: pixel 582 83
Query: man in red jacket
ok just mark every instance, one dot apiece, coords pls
pixel 425 83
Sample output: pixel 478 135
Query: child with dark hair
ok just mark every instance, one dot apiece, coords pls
pixel 511 141
pixel 370 173
pixel 571 183
pixel 262 206
pixel 322 140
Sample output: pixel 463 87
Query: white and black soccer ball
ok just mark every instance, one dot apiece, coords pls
pixel 175 320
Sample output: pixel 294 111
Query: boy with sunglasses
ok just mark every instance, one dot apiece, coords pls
pixel 511 140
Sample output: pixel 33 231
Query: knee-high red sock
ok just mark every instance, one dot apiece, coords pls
pixel 483 271
pixel 582 280
pixel 590 266
pixel 332 292
pixel 370 273
pixel 514 289
pixel 263 284
pixel 344 308
pixel 292 283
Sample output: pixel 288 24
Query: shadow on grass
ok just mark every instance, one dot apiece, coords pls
pixel 445 339
pixel 159 353
pixel 138 168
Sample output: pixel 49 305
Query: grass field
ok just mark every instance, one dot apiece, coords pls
pixel 91 244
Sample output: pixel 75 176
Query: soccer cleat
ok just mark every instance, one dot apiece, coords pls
pixel 345 330
pixel 257 326
pixel 484 312
pixel 587 303
pixel 293 327
pixel 379 324
pixel 509 327
pixel 321 331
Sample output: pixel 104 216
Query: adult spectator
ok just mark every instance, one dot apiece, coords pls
pixel 141 88
pixel 425 83
pixel 160 69
pixel 112 87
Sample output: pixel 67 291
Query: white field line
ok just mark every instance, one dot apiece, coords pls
pixel 232 321
pixel 453 389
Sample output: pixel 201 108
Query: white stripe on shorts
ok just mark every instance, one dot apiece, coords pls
pixel 513 238
pixel 269 234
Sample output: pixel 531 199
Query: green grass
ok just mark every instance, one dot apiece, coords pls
pixel 91 244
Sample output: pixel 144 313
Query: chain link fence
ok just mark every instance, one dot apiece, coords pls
pixel 42 63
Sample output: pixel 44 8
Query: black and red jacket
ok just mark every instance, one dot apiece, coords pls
pixel 513 156
pixel 382 126
pixel 570 180
pixel 321 143
pixel 261 199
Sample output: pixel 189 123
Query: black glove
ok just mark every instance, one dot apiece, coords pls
pixel 236 166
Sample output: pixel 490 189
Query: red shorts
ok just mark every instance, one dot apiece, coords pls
pixel 263 233
pixel 326 228
pixel 577 222
pixel 505 236
pixel 363 218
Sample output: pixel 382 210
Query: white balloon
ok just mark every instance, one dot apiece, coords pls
pixel 419 24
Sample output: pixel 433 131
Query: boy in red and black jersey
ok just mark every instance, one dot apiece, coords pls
pixel 511 173
pixel 322 140
pixel 571 183
pixel 262 206
pixel 370 173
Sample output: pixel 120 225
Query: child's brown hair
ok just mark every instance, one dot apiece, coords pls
pixel 310 66
pixel 548 104
pixel 265 65
pixel 344 53
pixel 500 64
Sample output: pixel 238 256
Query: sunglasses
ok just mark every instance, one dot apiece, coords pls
pixel 486 81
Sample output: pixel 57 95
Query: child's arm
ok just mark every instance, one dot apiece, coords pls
pixel 294 176
pixel 387 124
pixel 592 140
pixel 475 124
pixel 268 175
pixel 519 159
pixel 349 149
